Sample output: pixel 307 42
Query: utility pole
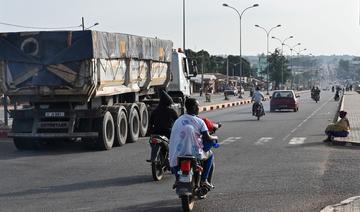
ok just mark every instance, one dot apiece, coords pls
pixel 227 70
pixel 82 23
pixel 6 110
pixel 202 75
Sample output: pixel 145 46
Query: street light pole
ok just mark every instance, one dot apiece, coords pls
pixel 291 62
pixel 282 54
pixel 184 25
pixel 83 24
pixel 267 52
pixel 240 17
pixel 298 52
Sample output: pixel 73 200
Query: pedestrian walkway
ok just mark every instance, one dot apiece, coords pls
pixel 351 104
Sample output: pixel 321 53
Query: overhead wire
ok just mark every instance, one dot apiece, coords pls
pixel 34 27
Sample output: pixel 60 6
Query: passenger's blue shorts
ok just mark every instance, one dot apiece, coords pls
pixel 337 134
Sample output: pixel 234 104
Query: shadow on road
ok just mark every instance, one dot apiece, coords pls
pixel 9 151
pixel 158 206
pixel 335 145
pixel 343 145
pixel 114 182
pixel 243 120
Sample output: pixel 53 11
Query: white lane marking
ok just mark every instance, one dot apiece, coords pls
pixel 305 120
pixel 263 140
pixel 230 140
pixel 297 140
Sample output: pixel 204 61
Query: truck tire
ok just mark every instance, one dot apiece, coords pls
pixel 144 119
pixel 134 124
pixel 121 127
pixel 24 144
pixel 106 130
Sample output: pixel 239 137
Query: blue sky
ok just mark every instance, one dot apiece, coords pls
pixel 322 26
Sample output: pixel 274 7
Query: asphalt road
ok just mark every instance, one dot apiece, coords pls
pixel 276 164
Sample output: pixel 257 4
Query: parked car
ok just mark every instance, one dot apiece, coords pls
pixel 284 99
pixel 231 91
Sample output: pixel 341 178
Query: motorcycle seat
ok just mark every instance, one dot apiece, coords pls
pixel 164 138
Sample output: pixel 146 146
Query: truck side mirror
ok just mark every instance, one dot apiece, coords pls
pixel 194 68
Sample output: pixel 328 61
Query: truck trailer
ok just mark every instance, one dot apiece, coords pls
pixel 89 86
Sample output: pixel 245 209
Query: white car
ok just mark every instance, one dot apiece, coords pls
pixel 231 91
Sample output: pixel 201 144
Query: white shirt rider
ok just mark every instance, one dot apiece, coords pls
pixel 186 138
pixel 258 96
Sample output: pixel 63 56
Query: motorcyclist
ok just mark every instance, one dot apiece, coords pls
pixel 313 92
pixel 187 137
pixel 163 117
pixel 257 98
pixel 317 92
pixel 337 95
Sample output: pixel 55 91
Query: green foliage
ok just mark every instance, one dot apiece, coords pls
pixel 278 68
pixel 217 64
pixel 348 69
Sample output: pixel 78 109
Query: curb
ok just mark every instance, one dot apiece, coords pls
pixel 4 133
pixel 222 105
pixel 346 205
pixel 341 107
pixel 226 104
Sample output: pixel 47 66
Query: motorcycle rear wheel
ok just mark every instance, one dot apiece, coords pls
pixel 158 167
pixel 187 203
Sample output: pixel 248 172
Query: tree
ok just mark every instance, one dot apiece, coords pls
pixel 277 65
pixel 217 64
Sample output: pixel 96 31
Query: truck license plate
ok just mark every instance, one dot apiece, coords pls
pixel 54 114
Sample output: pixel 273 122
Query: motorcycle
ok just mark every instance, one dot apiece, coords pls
pixel 159 156
pixel 316 97
pixel 188 186
pixel 259 111
pixel 337 96
pixel 188 183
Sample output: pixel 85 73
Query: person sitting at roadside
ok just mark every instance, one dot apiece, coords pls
pixel 339 129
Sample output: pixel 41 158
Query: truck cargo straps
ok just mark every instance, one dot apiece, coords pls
pixel 55 135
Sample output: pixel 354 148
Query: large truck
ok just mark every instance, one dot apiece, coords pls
pixel 92 86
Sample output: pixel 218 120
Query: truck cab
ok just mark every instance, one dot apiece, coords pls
pixel 180 73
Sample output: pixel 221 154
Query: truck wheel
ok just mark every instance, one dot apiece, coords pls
pixel 106 131
pixel 24 144
pixel 134 125
pixel 121 127
pixel 144 119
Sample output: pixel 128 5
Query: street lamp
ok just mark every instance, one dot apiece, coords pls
pixel 282 53
pixel 267 52
pixel 298 52
pixel 291 62
pixel 83 24
pixel 95 24
pixel 240 17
